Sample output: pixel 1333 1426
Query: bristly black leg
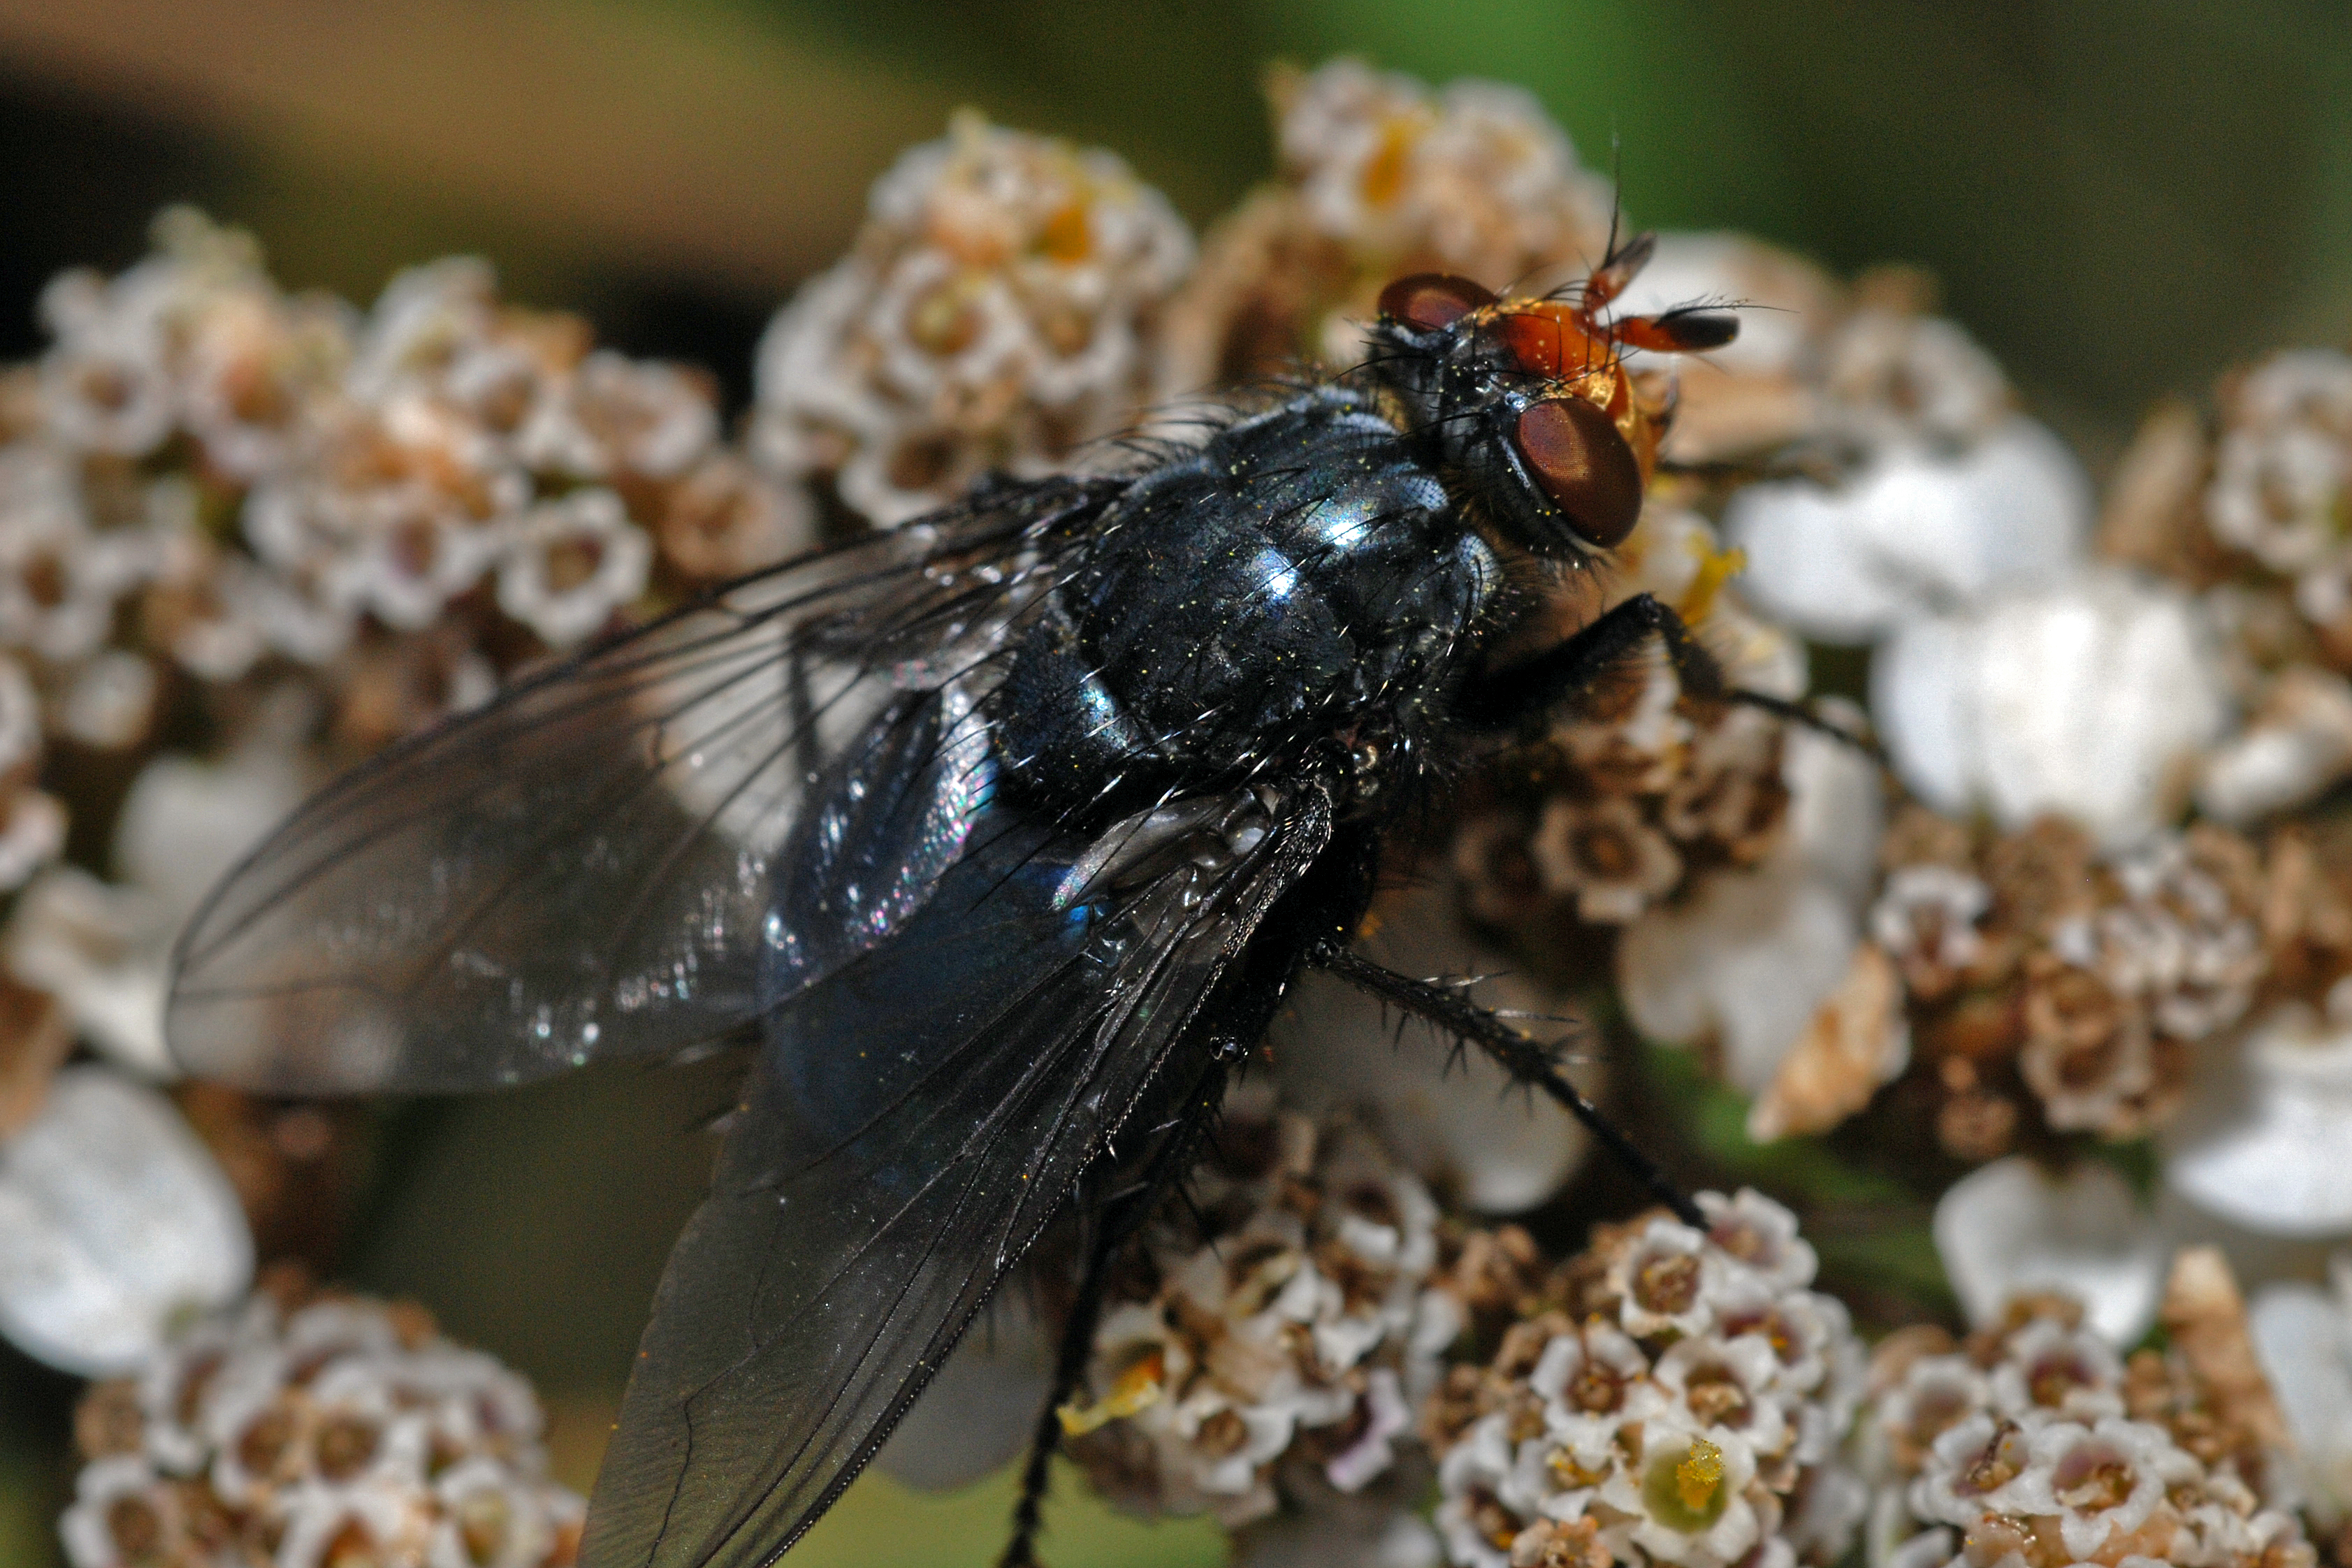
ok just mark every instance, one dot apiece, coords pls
pixel 1526 1060
pixel 1069 1370
pixel 1525 690
pixel 1121 1217
pixel 1801 713
pixel 1569 670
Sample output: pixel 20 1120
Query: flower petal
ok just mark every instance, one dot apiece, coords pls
pixel 2011 1227
pixel 114 1221
pixel 2304 1337
pixel 1857 1040
pixel 2090 699
pixel 1746 960
pixel 2262 1141
pixel 1915 528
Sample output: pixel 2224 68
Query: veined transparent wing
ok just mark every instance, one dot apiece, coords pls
pixel 583 869
pixel 913 1121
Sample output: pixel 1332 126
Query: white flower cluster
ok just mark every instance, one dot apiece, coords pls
pixel 342 1431
pixel 994 314
pixel 1645 789
pixel 380 466
pixel 2177 940
pixel 1696 1418
pixel 1474 178
pixel 1299 1329
pixel 2021 1451
pixel 32 825
pixel 2283 472
pixel 1926 489
pixel 1380 175
pixel 1925 919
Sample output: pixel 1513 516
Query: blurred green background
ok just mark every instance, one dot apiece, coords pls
pixel 2120 198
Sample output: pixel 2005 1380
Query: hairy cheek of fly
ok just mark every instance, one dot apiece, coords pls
pixel 1573 450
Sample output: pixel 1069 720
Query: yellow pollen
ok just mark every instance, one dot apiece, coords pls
pixel 1068 237
pixel 1137 1388
pixel 1699 1473
pixel 1715 567
pixel 1381 180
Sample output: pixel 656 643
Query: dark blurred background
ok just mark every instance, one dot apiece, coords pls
pixel 2121 198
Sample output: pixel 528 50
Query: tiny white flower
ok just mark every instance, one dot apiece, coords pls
pixel 2285 462
pixel 1762 1234
pixel 100 950
pixel 1669 1278
pixel 617 415
pixel 424 318
pixel 60 579
pixel 110 703
pixel 1353 1468
pixel 2297 745
pixel 571 562
pixel 2047 1366
pixel 107 384
pixel 119 1493
pixel 1930 912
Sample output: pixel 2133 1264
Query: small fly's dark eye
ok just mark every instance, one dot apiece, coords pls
pixel 1432 302
pixel 1573 449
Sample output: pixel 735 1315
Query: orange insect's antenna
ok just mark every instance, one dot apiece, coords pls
pixel 1617 269
pixel 1686 329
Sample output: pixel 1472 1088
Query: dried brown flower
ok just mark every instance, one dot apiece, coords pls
pixel 1858 1041
pixel 1691 1409
pixel 317 1429
pixel 993 314
pixel 1282 1321
pixel 2040 977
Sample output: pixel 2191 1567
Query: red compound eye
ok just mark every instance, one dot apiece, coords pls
pixel 1573 449
pixel 1431 301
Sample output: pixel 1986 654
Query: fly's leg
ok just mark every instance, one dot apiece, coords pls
pixel 1529 1061
pixel 1526 690
pixel 1122 1216
pixel 1570 669
pixel 1069 1371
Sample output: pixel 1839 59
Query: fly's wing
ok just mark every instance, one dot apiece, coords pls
pixel 582 869
pixel 913 1121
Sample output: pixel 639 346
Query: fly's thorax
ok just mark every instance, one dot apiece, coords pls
pixel 1303 583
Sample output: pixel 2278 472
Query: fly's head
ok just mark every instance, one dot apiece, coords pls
pixel 1531 399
